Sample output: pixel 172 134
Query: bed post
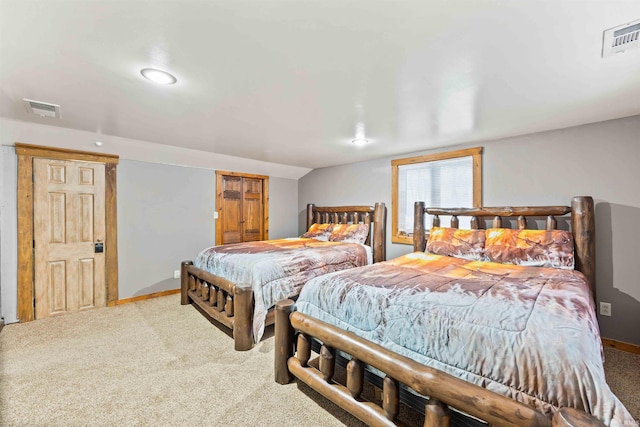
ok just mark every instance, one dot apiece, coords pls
pixel 283 341
pixel 242 319
pixel 419 241
pixel 583 227
pixel 310 207
pixel 379 232
pixel 184 282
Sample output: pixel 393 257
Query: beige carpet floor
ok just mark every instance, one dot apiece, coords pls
pixel 157 363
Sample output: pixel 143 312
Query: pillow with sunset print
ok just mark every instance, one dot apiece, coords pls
pixel 350 233
pixel 454 242
pixel 319 231
pixel 539 248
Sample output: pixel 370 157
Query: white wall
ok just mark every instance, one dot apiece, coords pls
pixel 8 235
pixel 283 208
pixel 12 131
pixel 2 215
pixel 166 200
pixel 601 160
pixel 165 216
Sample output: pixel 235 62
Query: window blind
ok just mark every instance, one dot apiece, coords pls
pixel 440 183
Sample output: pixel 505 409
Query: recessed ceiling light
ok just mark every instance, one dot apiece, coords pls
pixel 158 76
pixel 360 141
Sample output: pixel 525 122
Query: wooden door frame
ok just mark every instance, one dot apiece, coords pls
pixel 26 153
pixel 265 201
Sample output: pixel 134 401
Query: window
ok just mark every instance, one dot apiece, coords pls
pixel 451 179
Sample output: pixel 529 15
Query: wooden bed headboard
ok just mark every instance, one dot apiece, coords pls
pixel 582 226
pixel 376 215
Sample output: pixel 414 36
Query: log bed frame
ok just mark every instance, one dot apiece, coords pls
pixel 295 333
pixel 231 304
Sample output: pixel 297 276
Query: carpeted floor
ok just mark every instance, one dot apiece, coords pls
pixel 623 376
pixel 155 362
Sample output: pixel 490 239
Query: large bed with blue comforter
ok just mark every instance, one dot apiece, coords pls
pixel 495 323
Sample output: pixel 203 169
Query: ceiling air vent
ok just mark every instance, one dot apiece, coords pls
pixel 621 38
pixel 42 109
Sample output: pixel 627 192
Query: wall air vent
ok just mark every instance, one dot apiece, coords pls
pixel 621 38
pixel 42 109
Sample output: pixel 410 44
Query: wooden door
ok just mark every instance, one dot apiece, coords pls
pixel 69 227
pixel 252 212
pixel 230 211
pixel 242 206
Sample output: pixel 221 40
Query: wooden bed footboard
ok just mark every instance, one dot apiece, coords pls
pixel 293 334
pixel 221 300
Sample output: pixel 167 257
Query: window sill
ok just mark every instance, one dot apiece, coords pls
pixel 405 240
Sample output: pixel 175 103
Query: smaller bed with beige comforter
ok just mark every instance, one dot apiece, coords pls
pixel 238 284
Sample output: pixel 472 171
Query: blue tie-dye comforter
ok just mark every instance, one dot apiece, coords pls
pixel 529 333
pixel 277 269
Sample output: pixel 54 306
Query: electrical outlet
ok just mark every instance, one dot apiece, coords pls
pixel 176 274
pixel 605 309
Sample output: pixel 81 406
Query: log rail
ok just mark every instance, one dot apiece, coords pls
pixel 293 335
pixel 222 301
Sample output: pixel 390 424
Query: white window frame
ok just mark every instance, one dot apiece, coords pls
pixel 406 236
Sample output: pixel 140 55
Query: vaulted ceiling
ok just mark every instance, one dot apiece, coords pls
pixel 294 82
